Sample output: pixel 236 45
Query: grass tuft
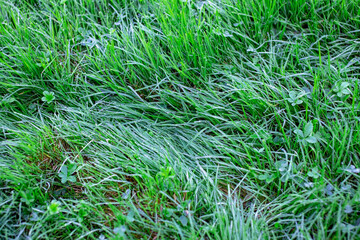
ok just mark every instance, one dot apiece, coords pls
pixel 179 119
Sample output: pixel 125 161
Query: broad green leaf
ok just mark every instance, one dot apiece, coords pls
pixel 311 139
pixel 293 95
pixel 72 168
pixel 120 230
pixel 183 220
pixel 130 216
pixel 71 178
pixel 54 207
pixel 345 91
pixel 344 85
pixel 126 194
pixel 266 177
pixel 63 179
pixel 348 209
pixel 299 133
pixel 262 177
pixel 281 165
pixel 314 173
pixel 308 129
pixel 299 102
pixel 64 170
pixel 63 174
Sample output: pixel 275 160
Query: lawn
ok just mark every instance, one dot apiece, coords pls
pixel 179 119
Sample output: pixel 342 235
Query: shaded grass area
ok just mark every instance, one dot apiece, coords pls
pixel 179 119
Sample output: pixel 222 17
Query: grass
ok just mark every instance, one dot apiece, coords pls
pixel 174 119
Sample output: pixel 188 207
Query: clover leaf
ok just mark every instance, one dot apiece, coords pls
pixel 342 89
pixel 27 197
pixel 66 173
pixel 266 177
pixel 54 207
pixel 48 97
pixel 307 135
pixel 295 97
pixel 183 220
pixel 314 173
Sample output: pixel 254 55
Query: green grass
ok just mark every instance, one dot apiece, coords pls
pixel 135 119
